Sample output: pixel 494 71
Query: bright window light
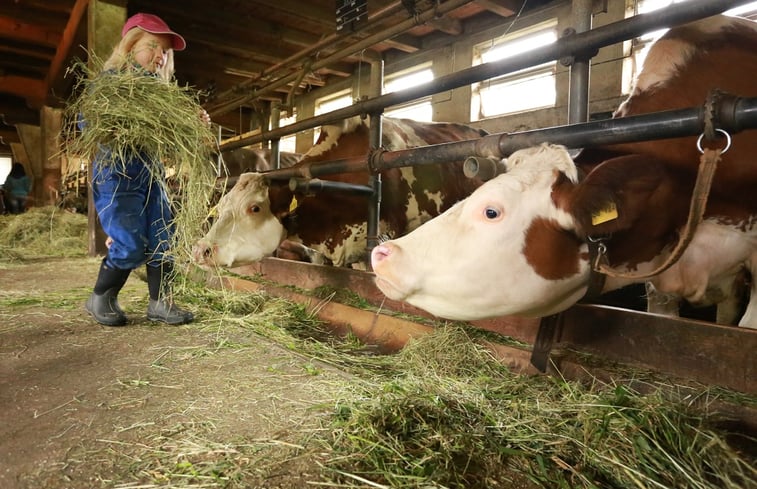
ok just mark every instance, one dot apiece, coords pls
pixel 527 89
pixel 288 143
pixel 332 103
pixel 5 168
pixel 419 109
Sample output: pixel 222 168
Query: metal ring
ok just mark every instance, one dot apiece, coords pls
pixel 727 141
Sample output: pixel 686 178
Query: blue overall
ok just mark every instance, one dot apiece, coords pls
pixel 134 211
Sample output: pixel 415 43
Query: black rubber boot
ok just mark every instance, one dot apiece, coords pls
pixel 103 303
pixel 161 306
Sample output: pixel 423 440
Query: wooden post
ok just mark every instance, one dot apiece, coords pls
pixel 47 189
pixel 104 22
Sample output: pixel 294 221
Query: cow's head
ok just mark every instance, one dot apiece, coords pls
pixel 516 246
pixel 245 229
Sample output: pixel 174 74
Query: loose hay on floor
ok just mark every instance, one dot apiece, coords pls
pixel 455 417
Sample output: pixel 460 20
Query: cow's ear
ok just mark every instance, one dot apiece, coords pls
pixel 618 193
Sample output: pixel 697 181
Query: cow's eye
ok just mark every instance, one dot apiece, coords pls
pixel 491 213
pixel 254 208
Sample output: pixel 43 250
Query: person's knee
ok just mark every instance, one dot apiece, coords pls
pixel 126 259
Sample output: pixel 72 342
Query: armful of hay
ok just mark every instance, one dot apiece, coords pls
pixel 118 116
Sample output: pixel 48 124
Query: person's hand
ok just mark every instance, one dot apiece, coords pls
pixel 204 116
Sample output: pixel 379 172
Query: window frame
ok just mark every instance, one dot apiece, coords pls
pixel 549 70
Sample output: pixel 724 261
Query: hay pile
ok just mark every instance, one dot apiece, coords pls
pixel 42 232
pixel 455 417
pixel 131 113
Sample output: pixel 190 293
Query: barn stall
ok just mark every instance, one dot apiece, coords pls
pixel 689 349
pixel 585 327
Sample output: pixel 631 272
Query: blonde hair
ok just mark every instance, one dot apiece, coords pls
pixel 122 56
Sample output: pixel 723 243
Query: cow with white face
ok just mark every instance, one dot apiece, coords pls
pixel 256 215
pixel 517 246
pixel 452 265
pixel 245 206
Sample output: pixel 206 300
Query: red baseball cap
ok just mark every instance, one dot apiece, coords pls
pixel 154 25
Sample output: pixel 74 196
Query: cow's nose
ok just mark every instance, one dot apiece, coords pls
pixel 203 252
pixel 381 253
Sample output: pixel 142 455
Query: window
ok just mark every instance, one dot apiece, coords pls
pixel 5 168
pixel 527 89
pixel 288 143
pixel 636 49
pixel 331 103
pixel 418 109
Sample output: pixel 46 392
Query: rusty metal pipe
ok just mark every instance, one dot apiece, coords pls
pixel 736 114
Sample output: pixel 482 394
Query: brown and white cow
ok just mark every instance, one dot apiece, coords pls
pixel 256 215
pixel 518 244
pixel 244 160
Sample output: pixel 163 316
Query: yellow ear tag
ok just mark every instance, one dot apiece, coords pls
pixel 607 213
pixel 293 204
pixel 213 211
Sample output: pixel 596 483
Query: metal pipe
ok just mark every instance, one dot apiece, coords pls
pixel 219 158
pixel 374 205
pixel 318 185
pixel 733 116
pixel 609 34
pixel 482 167
pixel 578 90
pixel 275 143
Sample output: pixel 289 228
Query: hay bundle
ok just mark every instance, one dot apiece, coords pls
pixel 132 114
pixel 43 231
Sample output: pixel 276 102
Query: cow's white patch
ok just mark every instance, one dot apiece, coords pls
pixel 333 133
pixel 663 61
pixel 669 54
pixel 706 272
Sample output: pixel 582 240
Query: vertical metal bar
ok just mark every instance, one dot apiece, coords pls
pixel 275 151
pixel 219 160
pixel 578 93
pixel 374 206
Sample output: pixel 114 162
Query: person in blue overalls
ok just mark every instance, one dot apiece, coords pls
pixel 132 205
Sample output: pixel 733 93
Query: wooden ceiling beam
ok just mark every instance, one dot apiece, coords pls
pixel 237 31
pixel 21 31
pixel 9 135
pixel 78 12
pixel 14 111
pixel 311 14
pixel 503 8
pixel 27 51
pixel 404 43
pixel 447 25
pixel 31 89
pixel 25 14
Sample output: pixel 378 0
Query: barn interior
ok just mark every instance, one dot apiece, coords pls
pixel 259 65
